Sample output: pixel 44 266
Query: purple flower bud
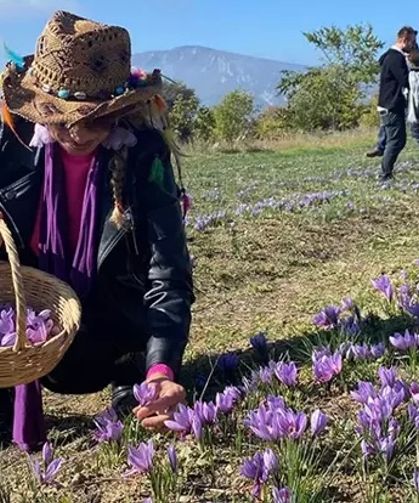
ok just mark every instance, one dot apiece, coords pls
pixel 378 350
pixel 318 422
pixel 387 376
pixel 414 391
pixel 171 454
pixel 281 495
pixel 47 473
pixel 383 285
pixel 416 479
pixel 325 368
pixel 197 428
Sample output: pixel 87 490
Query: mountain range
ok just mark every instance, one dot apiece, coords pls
pixel 213 73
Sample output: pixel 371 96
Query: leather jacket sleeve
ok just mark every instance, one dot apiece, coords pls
pixel 169 294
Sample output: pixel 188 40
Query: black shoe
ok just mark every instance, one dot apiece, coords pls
pixel 386 178
pixel 123 401
pixel 375 153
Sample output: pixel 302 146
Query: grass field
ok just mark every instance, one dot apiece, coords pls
pixel 276 234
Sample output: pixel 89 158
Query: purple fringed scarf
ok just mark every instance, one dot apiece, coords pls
pixel 29 431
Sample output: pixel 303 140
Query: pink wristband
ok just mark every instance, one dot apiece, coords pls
pixel 161 369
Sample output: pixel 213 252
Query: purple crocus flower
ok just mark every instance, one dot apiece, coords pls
pixel 416 479
pixel 413 412
pixel 404 342
pixel 197 428
pixel 108 427
pixel 318 422
pixel 258 469
pixel 145 393
pixel 387 376
pixel 291 424
pixel 414 391
pixel 260 343
pixel 359 352
pixel 387 446
pixel 226 400
pixel 383 284
pixel 328 317
pixel 364 392
pixel 182 420
pixel 265 375
pixel 281 495
pixel 325 368
pixel 206 412
pixel 287 373
pixel 378 350
pixel 46 473
pixel 141 458
pixel 172 456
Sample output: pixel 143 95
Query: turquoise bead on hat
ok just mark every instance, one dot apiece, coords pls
pixel 119 90
pixel 64 94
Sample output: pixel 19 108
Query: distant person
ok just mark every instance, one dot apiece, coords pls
pixel 394 85
pixel 413 102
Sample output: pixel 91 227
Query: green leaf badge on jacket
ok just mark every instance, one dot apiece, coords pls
pixel 157 172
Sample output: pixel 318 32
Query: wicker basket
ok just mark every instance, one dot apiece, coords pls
pixel 25 363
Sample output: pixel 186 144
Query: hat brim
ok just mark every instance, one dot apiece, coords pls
pixel 24 98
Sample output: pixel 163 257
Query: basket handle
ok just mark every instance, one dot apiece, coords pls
pixel 17 282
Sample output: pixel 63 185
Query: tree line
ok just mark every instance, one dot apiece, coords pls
pixel 336 95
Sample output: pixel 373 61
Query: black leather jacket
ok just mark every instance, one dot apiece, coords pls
pixel 143 286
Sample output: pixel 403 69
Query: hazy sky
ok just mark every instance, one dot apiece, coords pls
pixel 267 28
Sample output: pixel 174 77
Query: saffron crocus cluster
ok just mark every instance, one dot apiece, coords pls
pixel 365 351
pixel 346 317
pixel 326 365
pixel 39 326
pixel 273 421
pixel 145 393
pixel 405 342
pixel 108 427
pixel 259 468
pixel 46 472
pixel 140 459
pixel 377 426
pixel 286 373
pixel 328 317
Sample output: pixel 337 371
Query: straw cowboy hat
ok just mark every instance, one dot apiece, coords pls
pixel 81 70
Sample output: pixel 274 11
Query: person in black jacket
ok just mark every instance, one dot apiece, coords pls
pixel 394 85
pixel 95 202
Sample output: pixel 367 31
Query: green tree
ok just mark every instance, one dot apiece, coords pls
pixel 183 110
pixel 273 122
pixel 233 116
pixel 204 125
pixel 331 95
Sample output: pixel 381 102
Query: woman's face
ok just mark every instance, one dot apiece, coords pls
pixel 83 138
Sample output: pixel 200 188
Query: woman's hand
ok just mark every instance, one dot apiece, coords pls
pixel 170 394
